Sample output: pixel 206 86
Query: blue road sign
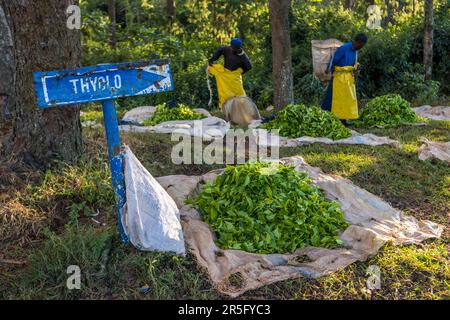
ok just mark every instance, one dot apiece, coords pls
pixel 105 83
pixel 102 82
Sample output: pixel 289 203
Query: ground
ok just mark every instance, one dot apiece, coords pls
pixel 66 216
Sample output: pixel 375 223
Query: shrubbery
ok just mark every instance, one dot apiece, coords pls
pixel 388 62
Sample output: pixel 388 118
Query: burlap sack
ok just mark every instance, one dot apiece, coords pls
pixel 372 223
pixel 240 110
pixel 322 53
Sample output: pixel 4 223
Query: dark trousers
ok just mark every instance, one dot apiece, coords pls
pixel 326 104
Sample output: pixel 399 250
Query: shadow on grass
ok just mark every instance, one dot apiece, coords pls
pixel 395 175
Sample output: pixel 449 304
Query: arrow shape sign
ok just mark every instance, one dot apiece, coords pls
pixel 105 83
pixel 102 82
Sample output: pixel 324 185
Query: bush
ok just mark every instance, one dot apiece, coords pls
pixel 390 54
pixel 309 90
pixel 419 90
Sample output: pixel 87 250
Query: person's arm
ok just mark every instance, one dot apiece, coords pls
pixel 246 66
pixel 337 57
pixel 216 55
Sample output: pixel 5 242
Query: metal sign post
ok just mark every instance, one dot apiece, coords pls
pixel 105 83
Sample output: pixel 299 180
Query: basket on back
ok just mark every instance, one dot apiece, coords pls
pixel 322 54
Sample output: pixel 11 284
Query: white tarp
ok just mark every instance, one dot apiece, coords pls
pixel 208 128
pixel 151 217
pixel 265 138
pixel 434 150
pixel 433 113
pixel 372 222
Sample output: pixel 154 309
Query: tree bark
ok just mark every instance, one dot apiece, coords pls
pixel 129 16
pixel 428 39
pixel 39 41
pixel 6 64
pixel 348 4
pixel 389 13
pixel 171 8
pixel 281 53
pixel 112 23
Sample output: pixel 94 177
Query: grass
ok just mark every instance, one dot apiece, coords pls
pixel 66 197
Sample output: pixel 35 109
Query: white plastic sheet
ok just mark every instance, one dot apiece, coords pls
pixel 265 138
pixel 207 128
pixel 151 217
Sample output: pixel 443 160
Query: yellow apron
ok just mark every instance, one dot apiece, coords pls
pixel 229 83
pixel 344 104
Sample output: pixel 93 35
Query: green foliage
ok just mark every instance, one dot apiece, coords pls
pixel 388 61
pixel 297 120
pixel 46 271
pixel 91 115
pixel 269 208
pixel 420 90
pixel 389 58
pixel 84 188
pixel 164 113
pixel 390 109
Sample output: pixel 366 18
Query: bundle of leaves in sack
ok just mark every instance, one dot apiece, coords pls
pixel 164 113
pixel 269 208
pixel 298 120
pixel 387 110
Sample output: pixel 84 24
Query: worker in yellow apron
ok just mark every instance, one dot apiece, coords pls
pixel 340 98
pixel 229 76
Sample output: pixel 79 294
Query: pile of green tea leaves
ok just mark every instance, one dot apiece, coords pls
pixel 269 208
pixel 297 120
pixel 387 110
pixel 164 113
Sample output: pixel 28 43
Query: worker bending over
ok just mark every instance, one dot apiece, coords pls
pixel 229 75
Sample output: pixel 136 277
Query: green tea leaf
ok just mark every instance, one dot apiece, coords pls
pixel 297 120
pixel 279 212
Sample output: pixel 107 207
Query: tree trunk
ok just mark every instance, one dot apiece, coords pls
pixel 281 53
pixel 389 14
pixel 6 78
pixel 112 23
pixel 129 17
pixel 348 4
pixel 171 8
pixel 39 41
pixel 401 5
pixel 428 39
